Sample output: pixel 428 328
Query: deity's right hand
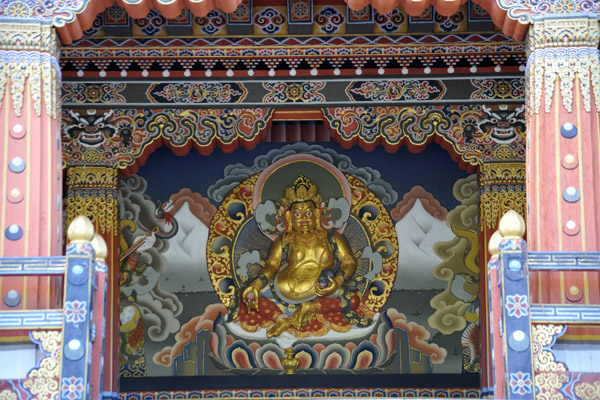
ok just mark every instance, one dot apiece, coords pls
pixel 250 297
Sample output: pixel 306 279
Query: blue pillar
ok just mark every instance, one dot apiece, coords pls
pixel 515 322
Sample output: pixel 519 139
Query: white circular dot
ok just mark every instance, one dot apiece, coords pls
pixel 518 335
pixel 314 72
pixel 473 69
pixel 123 73
pixel 80 73
pixel 568 126
pixel 570 224
pixel 336 71
pixel 450 69
pixel 497 68
pixel 18 128
pixel 229 73
pixel 358 71
pixel 293 72
pixel 404 71
pixel 381 71
pixel 102 73
pixel 145 72
pixel 521 67
pixel 13 228
pixel 166 73
pixel 250 72
pixel 187 73
pixel 427 70
pixel 271 72
pixel 74 344
pixel 208 72
pixel 571 190
pixel 77 269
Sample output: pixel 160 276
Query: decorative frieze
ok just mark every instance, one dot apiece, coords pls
pixel 562 53
pixel 92 191
pixel 29 55
pixel 502 188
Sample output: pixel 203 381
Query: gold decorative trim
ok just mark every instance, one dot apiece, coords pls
pixel 43 381
pixel 562 50
pixel 548 384
pixel 29 54
pixel 502 188
pixel 543 359
pixel 31 36
pixel 502 174
pixel 86 177
pixel 92 191
pixel 585 390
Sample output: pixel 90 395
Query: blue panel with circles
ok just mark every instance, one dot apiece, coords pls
pixel 515 319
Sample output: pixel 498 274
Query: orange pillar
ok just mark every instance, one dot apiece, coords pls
pixel 30 155
pixel 563 150
pixel 93 191
pixel 30 158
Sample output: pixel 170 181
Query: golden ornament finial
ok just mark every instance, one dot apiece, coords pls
pixel 494 243
pixel 290 362
pixel 512 225
pixel 81 230
pixel 302 190
pixel 99 246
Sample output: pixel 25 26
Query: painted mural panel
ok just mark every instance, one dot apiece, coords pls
pixel 299 258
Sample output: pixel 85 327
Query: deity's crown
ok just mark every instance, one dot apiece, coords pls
pixel 302 190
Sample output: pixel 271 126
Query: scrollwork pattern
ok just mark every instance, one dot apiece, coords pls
pixel 8 395
pixel 465 128
pixel 498 199
pixel 133 130
pixel 42 382
pixel 382 231
pixel 588 391
pixel 101 205
pixel 544 337
pixel 548 384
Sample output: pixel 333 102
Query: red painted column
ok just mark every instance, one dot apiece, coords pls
pixel 502 188
pixel 563 152
pixel 93 191
pixel 30 155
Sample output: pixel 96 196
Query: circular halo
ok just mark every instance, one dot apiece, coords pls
pixel 273 181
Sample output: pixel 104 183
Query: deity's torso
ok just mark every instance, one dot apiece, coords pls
pixel 309 254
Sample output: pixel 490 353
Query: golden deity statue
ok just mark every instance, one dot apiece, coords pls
pixel 305 265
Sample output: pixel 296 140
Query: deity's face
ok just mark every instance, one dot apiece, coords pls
pixel 304 216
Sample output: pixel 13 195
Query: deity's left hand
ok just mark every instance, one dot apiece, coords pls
pixel 331 288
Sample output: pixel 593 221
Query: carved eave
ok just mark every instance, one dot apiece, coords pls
pixel 73 30
pixel 510 27
pixel 83 20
